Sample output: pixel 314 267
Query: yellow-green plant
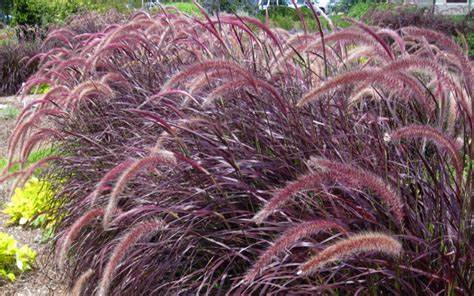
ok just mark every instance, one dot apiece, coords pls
pixel 33 206
pixel 14 260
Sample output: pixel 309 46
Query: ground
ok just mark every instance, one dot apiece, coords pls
pixel 43 280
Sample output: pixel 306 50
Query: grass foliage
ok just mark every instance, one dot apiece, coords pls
pixel 216 155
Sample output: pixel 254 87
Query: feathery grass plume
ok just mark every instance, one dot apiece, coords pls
pixel 450 45
pixel 21 130
pixel 198 68
pixel 79 284
pixel 27 109
pixel 374 35
pixel 353 245
pixel 283 195
pixel 41 136
pixel 198 83
pixel 349 36
pixel 424 65
pixel 397 83
pixel 153 116
pixel 187 95
pixel 334 83
pixel 435 136
pixel 240 25
pixel 360 178
pixel 71 234
pixel 222 90
pixel 125 243
pixel 290 237
pixel 395 36
pixel 360 93
pixel 87 88
pixel 109 176
pixel 63 35
pixel 258 24
pixel 73 63
pixel 161 157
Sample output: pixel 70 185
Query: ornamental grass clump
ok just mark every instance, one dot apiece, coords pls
pixel 245 143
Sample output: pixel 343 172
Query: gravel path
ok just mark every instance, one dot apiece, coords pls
pixel 43 280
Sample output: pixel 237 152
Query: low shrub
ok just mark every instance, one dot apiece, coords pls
pixel 213 6
pixel 220 156
pixel 14 260
pixel 185 7
pixel 47 12
pixel 8 113
pixel 362 8
pixel 287 18
pixel 33 206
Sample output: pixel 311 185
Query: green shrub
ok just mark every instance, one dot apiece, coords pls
pixel 186 7
pixel 14 260
pixel 40 89
pixel 230 5
pixel 33 206
pixel 44 12
pixel 8 113
pixel 361 8
pixel 287 18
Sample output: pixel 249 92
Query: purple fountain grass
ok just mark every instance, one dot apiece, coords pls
pixel 258 24
pixel 425 65
pixel 443 141
pixel 228 157
pixel 374 35
pixel 80 282
pixel 223 20
pixel 355 244
pixel 27 110
pixel 199 83
pixel 125 243
pixel 74 63
pixel 61 35
pixel 395 36
pixel 42 135
pixel 187 95
pixel 71 234
pixel 288 238
pixel 222 90
pixel 360 178
pixel 334 83
pixel 85 89
pixel 351 36
pixel 109 176
pixel 450 45
pixel 397 83
pixel 283 195
pixel 198 68
pixel 160 158
pixel 34 81
pixel 22 128
pixel 25 174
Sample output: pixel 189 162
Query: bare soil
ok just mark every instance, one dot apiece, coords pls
pixel 44 279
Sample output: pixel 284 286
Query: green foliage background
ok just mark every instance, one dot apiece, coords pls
pixel 14 260
pixel 43 12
